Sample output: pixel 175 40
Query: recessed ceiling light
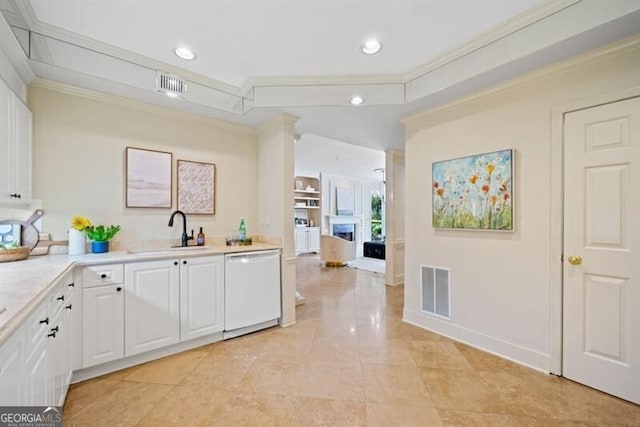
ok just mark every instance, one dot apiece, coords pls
pixel 371 47
pixel 184 53
pixel 171 94
pixel 356 100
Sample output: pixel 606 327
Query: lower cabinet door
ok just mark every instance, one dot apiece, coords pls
pixel 152 311
pixel 201 296
pixel 56 359
pixel 314 239
pixel 102 324
pixel 13 378
pixel 39 382
pixel 301 240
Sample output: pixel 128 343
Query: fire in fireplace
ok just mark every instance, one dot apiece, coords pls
pixel 344 231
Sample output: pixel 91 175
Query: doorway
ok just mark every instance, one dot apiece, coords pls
pixel 601 237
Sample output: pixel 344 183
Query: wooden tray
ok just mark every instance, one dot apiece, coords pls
pixel 7 255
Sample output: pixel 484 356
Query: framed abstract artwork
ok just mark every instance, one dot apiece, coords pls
pixel 474 192
pixel 345 202
pixel 196 187
pixel 148 178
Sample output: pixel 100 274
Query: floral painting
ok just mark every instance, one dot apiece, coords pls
pixel 474 192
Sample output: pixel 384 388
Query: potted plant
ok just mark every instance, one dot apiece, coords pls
pixel 100 236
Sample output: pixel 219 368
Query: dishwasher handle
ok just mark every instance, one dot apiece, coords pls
pixel 251 256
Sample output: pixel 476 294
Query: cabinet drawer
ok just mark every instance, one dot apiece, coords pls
pixel 99 275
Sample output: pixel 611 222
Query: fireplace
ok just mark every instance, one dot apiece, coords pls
pixel 344 231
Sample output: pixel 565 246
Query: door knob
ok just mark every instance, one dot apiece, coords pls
pixel 575 259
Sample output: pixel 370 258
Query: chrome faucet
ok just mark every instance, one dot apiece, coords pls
pixel 185 238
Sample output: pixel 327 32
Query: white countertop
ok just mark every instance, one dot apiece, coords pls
pixel 24 284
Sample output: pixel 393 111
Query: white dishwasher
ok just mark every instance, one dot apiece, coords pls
pixel 251 292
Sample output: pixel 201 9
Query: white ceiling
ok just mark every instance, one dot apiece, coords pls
pixel 238 40
pixel 257 58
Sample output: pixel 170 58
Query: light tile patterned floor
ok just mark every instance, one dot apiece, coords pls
pixel 349 361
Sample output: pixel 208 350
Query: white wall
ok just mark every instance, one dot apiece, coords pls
pixel 315 154
pixel 500 281
pixel 79 144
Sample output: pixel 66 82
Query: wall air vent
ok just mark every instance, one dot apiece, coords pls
pixel 436 290
pixel 170 84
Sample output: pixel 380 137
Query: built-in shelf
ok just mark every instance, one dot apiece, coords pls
pixel 308 212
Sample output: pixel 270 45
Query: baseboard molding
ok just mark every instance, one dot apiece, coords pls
pixel 398 280
pixel 506 350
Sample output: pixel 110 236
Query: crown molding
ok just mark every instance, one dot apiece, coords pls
pixel 138 105
pixel 525 19
pixel 625 46
pixel 14 52
pixel 513 25
pixel 323 80
pixel 311 89
pixel 88 43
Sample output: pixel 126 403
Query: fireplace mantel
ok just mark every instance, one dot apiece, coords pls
pixel 344 219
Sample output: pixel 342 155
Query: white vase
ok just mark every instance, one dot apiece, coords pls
pixel 77 242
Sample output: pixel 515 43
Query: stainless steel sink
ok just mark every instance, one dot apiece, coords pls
pixel 172 249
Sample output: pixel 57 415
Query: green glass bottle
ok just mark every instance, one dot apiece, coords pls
pixel 243 230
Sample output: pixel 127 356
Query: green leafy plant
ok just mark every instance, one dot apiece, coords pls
pixel 100 233
pixel 9 245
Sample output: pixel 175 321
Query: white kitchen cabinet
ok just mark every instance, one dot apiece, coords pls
pixel 15 148
pixel 47 343
pixel 39 382
pixel 152 309
pixel 36 329
pixel 201 296
pixel 314 239
pixel 301 240
pixel 13 383
pixel 307 239
pixel 56 359
pixel 102 324
pixel 59 338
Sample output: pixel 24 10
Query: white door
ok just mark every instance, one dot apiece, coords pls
pixel 6 144
pixel 601 301
pixel 102 324
pixel 151 305
pixel 201 296
pixel 23 122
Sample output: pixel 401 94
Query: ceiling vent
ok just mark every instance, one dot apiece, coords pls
pixel 170 84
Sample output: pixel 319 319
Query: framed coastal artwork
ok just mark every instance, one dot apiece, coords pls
pixel 148 178
pixel 474 192
pixel 196 187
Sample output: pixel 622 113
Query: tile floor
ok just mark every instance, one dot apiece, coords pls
pixel 349 361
